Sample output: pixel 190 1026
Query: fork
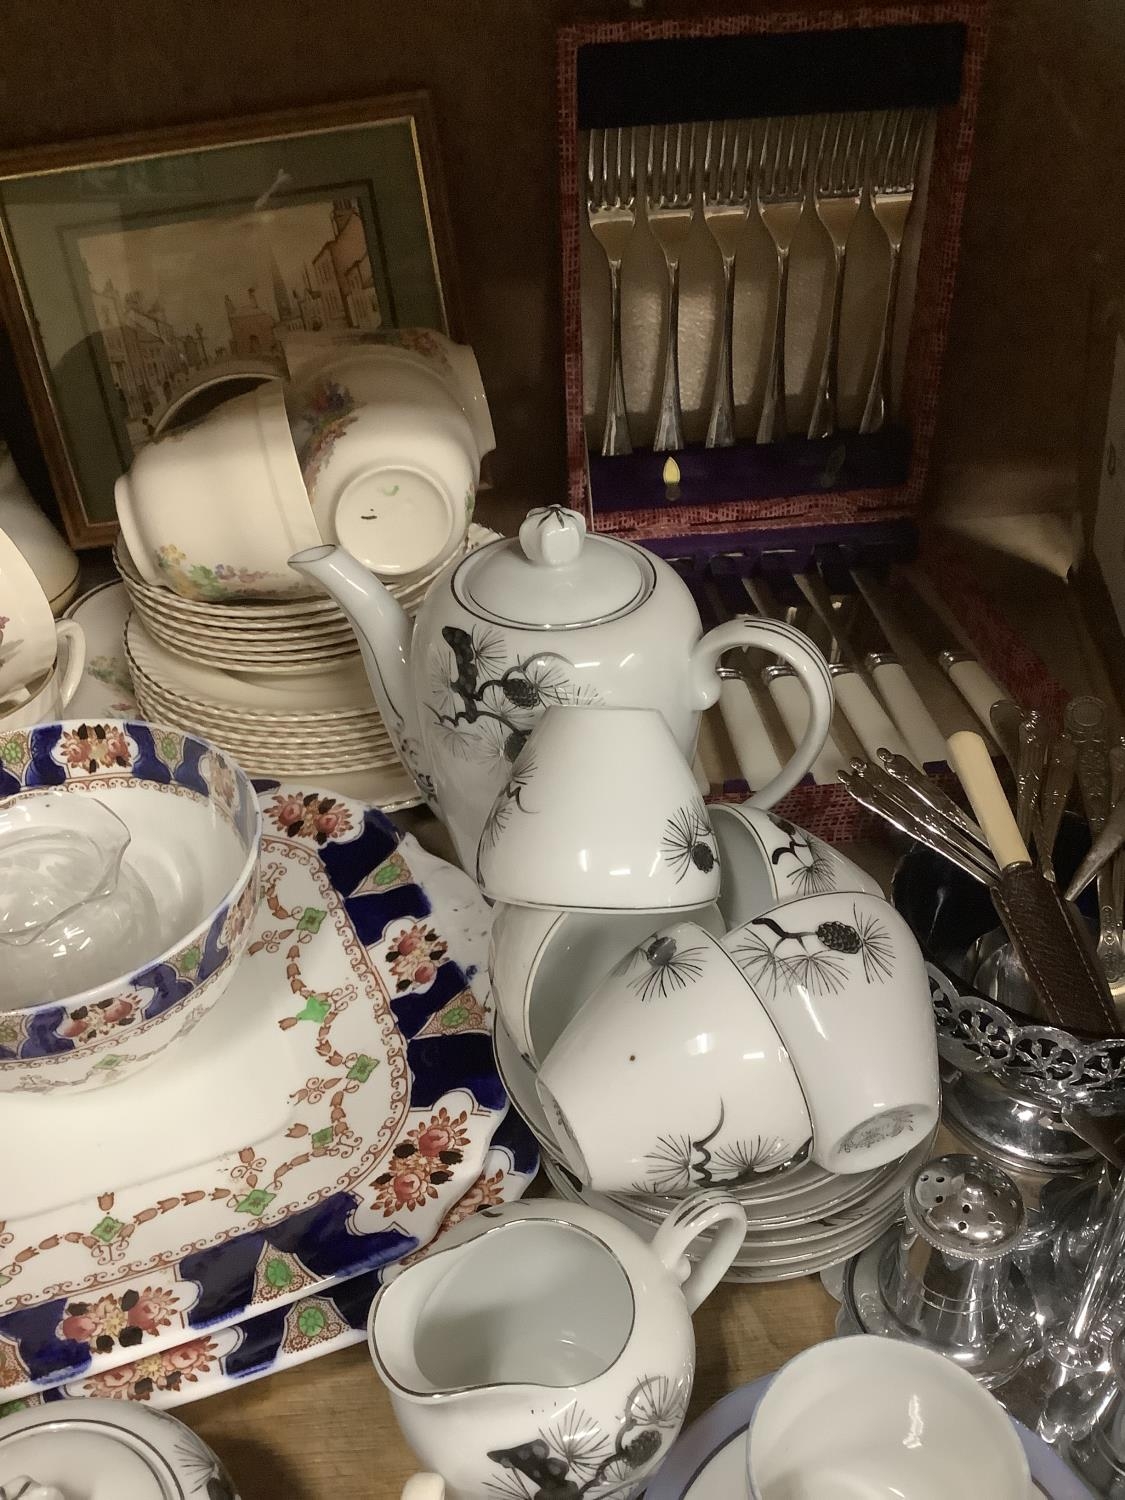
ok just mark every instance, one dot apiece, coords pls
pixel 894 173
pixel 726 207
pixel 670 206
pixel 837 194
pixel 611 195
pixel 780 188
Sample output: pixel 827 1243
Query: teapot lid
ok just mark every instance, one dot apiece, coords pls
pixel 554 575
pixel 103 1450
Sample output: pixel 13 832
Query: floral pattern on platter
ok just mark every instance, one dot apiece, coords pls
pixel 312 816
pixel 123 1321
pixel 483 705
pixel 421 1163
pixel 682 1163
pixel 328 409
pixel 414 956
pixel 575 1457
pixel 688 841
pixel 211 582
pixel 822 961
pixel 162 1373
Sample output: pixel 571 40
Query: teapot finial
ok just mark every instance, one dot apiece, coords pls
pixel 552 536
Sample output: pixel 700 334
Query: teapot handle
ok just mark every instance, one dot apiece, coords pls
pixel 698 1212
pixel 812 672
pixel 424 1487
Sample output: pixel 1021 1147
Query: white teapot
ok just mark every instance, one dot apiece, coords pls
pixel 545 1349
pixel 551 617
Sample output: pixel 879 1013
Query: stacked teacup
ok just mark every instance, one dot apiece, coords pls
pixel 41 660
pixel 375 446
pixel 692 997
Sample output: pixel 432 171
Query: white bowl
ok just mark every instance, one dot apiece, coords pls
pixel 767 860
pixel 867 1418
pixel 543 965
pixel 195 828
pixel 388 457
pixel 214 511
pixel 601 812
pixel 672 1076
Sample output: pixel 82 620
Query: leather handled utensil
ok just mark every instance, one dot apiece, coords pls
pixel 1070 987
pixel 1071 990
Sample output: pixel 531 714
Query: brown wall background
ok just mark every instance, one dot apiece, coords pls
pixel 1045 200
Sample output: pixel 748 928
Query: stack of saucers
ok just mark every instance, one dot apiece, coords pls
pixel 279 684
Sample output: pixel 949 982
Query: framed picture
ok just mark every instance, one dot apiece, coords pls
pixel 136 270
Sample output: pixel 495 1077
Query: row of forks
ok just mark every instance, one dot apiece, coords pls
pixel 772 167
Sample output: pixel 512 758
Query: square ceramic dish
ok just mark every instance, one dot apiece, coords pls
pixel 317 1125
pixel 294 1332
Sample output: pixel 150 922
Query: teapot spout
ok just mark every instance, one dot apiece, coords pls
pixel 383 630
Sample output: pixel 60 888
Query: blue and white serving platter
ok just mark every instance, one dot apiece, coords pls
pixel 708 1460
pixel 295 1332
pixel 321 1121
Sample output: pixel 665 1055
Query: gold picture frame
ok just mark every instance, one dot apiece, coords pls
pixel 132 266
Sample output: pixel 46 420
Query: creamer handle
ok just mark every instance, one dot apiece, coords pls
pixel 72 640
pixel 697 1213
pixel 424 1487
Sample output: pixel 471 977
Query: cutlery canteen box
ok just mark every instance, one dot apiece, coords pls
pixel 802 77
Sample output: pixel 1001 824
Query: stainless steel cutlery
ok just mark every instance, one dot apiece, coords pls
pixel 739 178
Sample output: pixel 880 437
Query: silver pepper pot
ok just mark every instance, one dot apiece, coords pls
pixel 948 1277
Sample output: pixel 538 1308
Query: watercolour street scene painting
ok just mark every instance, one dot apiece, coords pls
pixel 179 301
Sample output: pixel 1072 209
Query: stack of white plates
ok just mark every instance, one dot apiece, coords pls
pixel 279 685
pixel 800 1220
pixel 285 637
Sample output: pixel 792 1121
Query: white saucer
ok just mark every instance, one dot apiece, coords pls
pixel 708 1461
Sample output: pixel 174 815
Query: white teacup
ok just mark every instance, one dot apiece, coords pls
pixel 600 812
pixel 868 1418
pixel 672 1076
pixel 215 510
pixel 52 693
pixel 389 458
pixel 767 860
pixel 842 978
pixel 543 964
pixel 27 626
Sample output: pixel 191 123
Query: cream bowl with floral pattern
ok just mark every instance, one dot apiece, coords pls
pixel 194 827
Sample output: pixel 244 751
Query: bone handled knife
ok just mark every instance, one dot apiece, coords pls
pixel 861 705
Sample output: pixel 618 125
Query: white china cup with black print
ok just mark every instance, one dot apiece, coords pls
pixel 601 812
pixel 842 978
pixel 766 860
pixel 543 964
pixel 672 1076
